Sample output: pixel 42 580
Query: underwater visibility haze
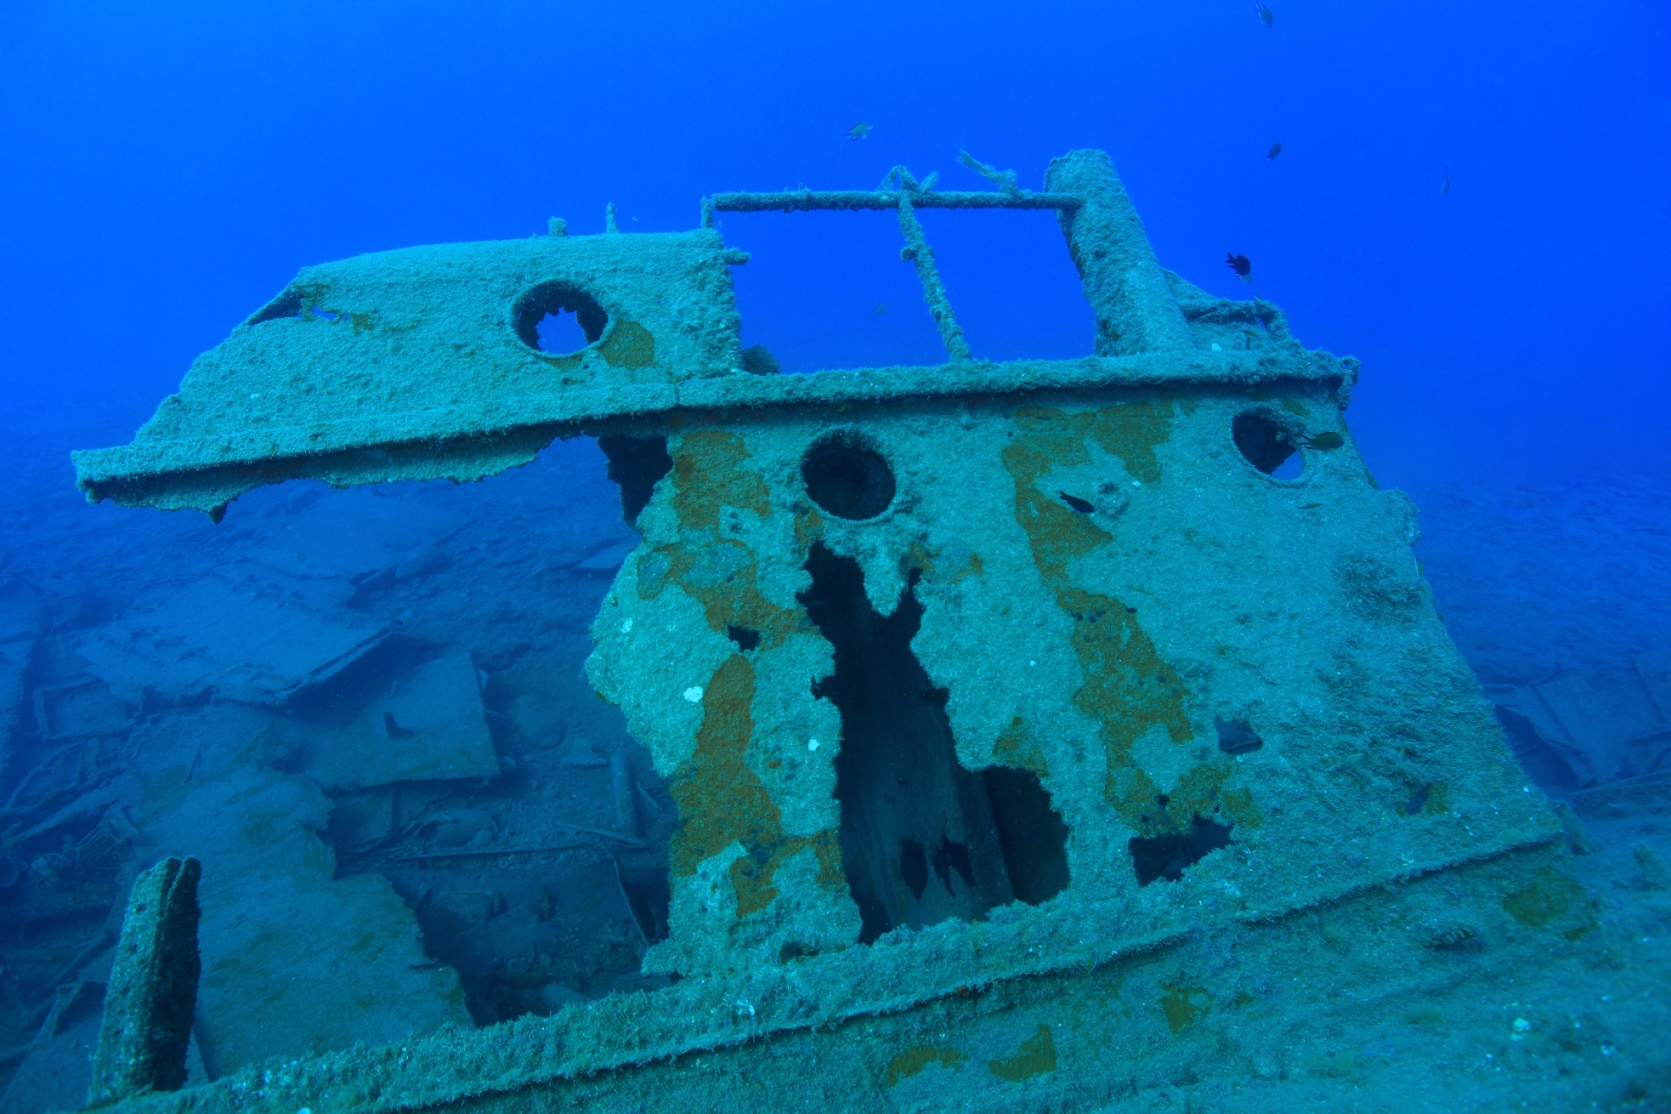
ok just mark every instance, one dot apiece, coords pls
pixel 915 556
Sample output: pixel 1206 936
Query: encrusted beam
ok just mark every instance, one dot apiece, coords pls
pixel 805 201
pixel 152 995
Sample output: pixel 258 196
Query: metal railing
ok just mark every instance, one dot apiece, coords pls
pixel 903 193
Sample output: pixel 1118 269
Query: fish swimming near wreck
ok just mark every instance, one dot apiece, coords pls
pixel 1276 149
pixel 858 131
pixel 1241 265
pixel 1264 14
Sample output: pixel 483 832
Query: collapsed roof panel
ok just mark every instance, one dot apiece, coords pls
pixel 429 347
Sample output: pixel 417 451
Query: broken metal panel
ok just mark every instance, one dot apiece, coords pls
pixel 358 537
pixel 428 727
pixel 427 348
pixel 1293 608
pixel 250 640
pixel 1655 671
pixel 1369 965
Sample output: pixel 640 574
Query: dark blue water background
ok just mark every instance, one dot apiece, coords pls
pixel 167 168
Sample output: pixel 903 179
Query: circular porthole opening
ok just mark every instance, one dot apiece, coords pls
pixel 1266 445
pixel 847 477
pixel 558 318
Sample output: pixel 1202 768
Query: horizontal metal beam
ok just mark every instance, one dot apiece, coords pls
pixel 788 201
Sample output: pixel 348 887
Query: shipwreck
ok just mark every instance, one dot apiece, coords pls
pixel 996 698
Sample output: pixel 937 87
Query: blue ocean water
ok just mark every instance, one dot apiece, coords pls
pixel 1471 199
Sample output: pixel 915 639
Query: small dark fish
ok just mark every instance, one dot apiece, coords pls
pixel 881 308
pixel 1328 442
pixel 1445 186
pixel 858 131
pixel 1076 503
pixel 1264 13
pixel 1241 265
pixel 1276 149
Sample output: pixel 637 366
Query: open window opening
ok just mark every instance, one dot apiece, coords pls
pixel 845 475
pixel 923 838
pixel 558 318
pixel 1166 856
pixel 1013 284
pixel 828 290
pixel 1266 445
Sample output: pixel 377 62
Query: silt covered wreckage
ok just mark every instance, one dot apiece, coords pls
pixel 993 696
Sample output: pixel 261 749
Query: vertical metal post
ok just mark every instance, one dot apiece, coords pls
pixel 152 995
pixel 916 249
pixel 1125 285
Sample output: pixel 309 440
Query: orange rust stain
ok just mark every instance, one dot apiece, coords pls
pixel 943 566
pixel 1036 1056
pixel 1128 689
pixel 722 800
pixel 1553 901
pixel 1184 1006
pixel 914 1060
pixel 1017 746
pixel 809 528
pixel 718 572
pixel 721 575
pixel 708 473
pixel 1238 803
pixel 629 345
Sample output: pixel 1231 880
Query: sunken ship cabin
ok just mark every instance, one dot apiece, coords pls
pixel 1001 702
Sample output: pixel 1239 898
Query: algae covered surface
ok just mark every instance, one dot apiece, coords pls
pixel 988 735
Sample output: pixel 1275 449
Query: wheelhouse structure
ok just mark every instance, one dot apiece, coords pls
pixel 1029 736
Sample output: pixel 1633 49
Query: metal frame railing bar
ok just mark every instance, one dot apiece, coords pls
pixel 905 197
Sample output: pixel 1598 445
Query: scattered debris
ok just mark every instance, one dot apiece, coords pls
pixel 20 626
pixel 254 706
pixel 249 638
pixel 269 988
pixel 430 727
